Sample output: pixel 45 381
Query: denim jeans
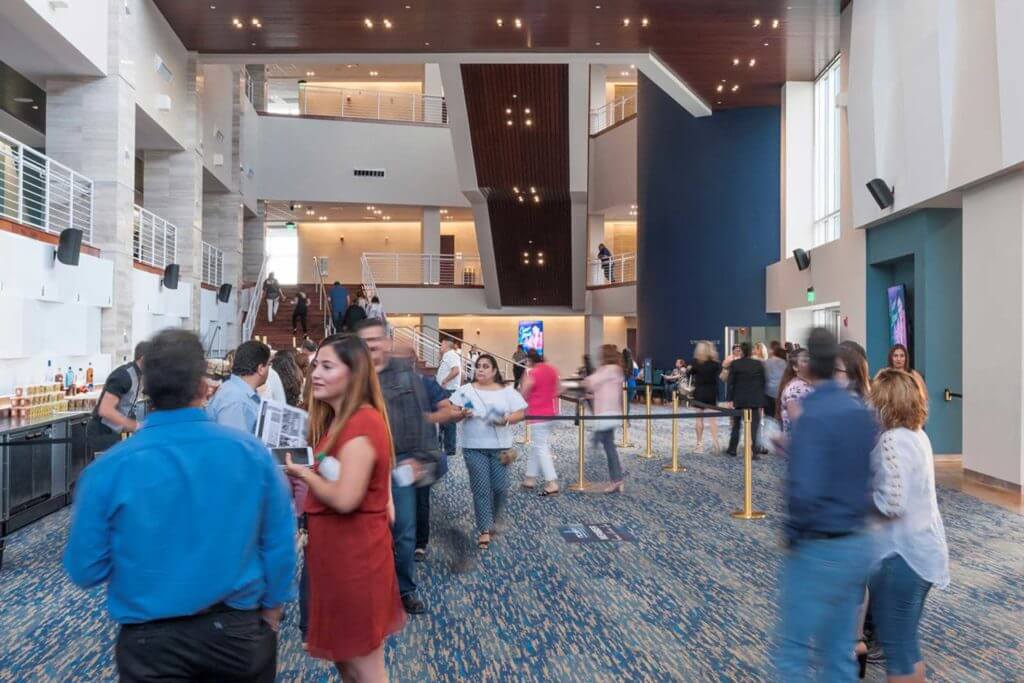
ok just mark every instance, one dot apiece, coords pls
pixel 488 480
pixel 448 432
pixel 822 588
pixel 404 533
pixel 897 601
pixel 422 516
pixel 606 437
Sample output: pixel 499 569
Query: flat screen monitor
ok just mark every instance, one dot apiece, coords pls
pixel 531 335
pixel 898 330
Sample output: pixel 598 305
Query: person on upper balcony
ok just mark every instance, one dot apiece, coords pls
pixel 605 255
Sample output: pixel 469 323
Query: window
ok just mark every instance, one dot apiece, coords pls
pixel 283 250
pixel 826 155
pixel 829 318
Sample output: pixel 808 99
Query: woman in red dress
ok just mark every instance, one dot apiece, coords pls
pixel 353 590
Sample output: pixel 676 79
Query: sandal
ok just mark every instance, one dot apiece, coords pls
pixel 549 492
pixel 528 487
pixel 483 541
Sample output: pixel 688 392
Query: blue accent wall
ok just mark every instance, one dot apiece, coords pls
pixel 924 251
pixel 708 225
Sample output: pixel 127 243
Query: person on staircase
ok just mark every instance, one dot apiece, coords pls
pixel 354 314
pixel 339 303
pixel 272 290
pixel 300 312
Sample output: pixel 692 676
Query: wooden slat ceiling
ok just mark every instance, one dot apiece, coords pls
pixel 533 159
pixel 698 39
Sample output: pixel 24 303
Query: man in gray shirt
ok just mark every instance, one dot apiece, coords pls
pixel 236 403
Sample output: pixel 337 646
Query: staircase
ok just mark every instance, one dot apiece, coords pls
pixel 279 333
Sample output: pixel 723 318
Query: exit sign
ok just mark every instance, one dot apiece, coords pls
pixel 810 295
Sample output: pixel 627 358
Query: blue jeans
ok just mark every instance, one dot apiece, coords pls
pixel 822 590
pixel 897 600
pixel 488 479
pixel 448 433
pixel 404 534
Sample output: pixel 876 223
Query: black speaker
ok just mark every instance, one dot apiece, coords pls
pixel 170 280
pixel 69 248
pixel 881 192
pixel 224 293
pixel 803 259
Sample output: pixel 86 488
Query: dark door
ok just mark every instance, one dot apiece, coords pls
pixel 451 332
pixel 631 340
pixel 447 269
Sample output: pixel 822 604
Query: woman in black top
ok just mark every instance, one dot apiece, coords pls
pixel 300 312
pixel 704 371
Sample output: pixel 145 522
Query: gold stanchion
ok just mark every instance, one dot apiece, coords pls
pixel 625 420
pixel 649 451
pixel 748 511
pixel 581 484
pixel 675 467
pixel 526 439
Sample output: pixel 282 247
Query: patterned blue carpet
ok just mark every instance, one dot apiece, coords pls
pixel 692 599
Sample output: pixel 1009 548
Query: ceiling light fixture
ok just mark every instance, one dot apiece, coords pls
pixel 735 87
pixel 526 111
pixel 35 106
pixel 387 23
pixel 427 44
pixel 766 43
pixel 518 22
pixel 757 22
pixel 536 199
pixel 528 122
pixel 24 100
pixel 623 73
pixel 237 22
pixel 368 22
pixel 515 188
pixel 720 88
pixel 213 7
pixel 533 190
pixel 625 22
pixel 632 66
pixel 645 22
pixel 775 23
pixel 508 110
pixel 597 7
pixel 375 73
pixel 310 212
pixel 520 198
pixel 752 62
pixel 598 44
pixel 311 73
pixel 256 23
pixel 514 96
pixel 408 7
pixel 500 22
pixel 509 122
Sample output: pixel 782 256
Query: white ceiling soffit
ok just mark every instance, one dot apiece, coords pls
pixel 646 62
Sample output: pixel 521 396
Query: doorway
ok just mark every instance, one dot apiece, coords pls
pixel 447 264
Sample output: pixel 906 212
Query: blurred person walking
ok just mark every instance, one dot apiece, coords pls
pixel 605 385
pixel 852 372
pixel 794 386
pixel 519 358
pixel 286 366
pixel 705 370
pixel 190 526
pixel 339 304
pixel 828 492
pixel 912 553
pixel 300 313
pixel 745 389
pixel 540 388
pixel 490 408
pixel 272 292
pixel 354 603
pixel 449 376
pixel 774 369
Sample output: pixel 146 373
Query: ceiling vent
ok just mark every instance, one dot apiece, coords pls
pixel 368 172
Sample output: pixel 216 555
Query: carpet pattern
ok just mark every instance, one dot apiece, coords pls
pixel 692 599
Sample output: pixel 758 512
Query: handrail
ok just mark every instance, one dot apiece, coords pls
pixel 614 112
pixel 249 324
pixel 213 265
pixel 369 283
pixel 438 270
pixel 462 342
pixel 320 267
pixel 42 193
pixel 154 240
pixel 379 105
pixel 617 269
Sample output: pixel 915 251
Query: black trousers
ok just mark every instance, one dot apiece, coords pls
pixel 301 317
pixel 769 406
pixel 229 645
pixel 99 438
pixel 737 426
pixel 422 516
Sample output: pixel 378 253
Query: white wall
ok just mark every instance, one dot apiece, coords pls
pixel 312 160
pixel 213 315
pixel 216 110
pixel 993 329
pixel 155 309
pixel 42 42
pixel 51 312
pixel 612 301
pixel 249 154
pixel 420 300
pixel 613 168
pixel 935 96
pixel 563 336
pixel 797 166
pixel 153 36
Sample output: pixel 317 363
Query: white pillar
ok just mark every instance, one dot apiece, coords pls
pixel 254 244
pixel 593 336
pixel 797 167
pixel 430 240
pixel 90 127
pixel 598 83
pixel 432 89
pixel 993 321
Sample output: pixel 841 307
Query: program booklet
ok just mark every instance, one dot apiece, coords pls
pixel 281 425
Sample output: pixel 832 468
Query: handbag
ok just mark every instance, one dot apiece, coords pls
pixel 506 456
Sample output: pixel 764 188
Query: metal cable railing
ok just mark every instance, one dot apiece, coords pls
pixel 438 270
pixel 612 113
pixel 41 193
pixel 378 105
pixel 249 324
pixel 213 265
pixel 614 270
pixel 320 268
pixel 154 240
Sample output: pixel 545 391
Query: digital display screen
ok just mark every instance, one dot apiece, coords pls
pixel 898 332
pixel 531 335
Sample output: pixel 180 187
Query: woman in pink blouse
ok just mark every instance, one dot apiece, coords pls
pixel 605 385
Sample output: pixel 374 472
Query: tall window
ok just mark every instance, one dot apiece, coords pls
pixel 283 254
pixel 826 155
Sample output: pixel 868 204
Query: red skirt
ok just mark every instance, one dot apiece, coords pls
pixel 354 602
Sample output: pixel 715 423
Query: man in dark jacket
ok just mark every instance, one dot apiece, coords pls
pixel 745 389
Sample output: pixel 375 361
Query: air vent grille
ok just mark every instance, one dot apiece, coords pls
pixel 368 172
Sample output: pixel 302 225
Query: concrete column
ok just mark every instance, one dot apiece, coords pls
pixel 593 336
pixel 433 109
pixel 90 127
pixel 598 81
pixel 222 227
pixel 431 235
pixel 258 77
pixel 993 313
pixel 254 244
pixel 432 320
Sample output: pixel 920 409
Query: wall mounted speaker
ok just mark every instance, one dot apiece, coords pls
pixel 802 258
pixel 170 280
pixel 69 246
pixel 881 192
pixel 224 293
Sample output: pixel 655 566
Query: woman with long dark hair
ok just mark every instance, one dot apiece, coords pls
pixel 899 359
pixel 489 408
pixel 852 372
pixel 353 589
pixel 287 368
pixel 795 384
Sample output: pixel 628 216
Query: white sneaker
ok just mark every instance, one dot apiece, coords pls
pixel 699 448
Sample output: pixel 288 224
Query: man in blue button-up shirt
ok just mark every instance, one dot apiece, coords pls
pixel 828 498
pixel 236 403
pixel 191 527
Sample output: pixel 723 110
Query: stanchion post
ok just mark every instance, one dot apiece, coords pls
pixel 748 511
pixel 581 484
pixel 526 439
pixel 675 467
pixel 625 420
pixel 648 451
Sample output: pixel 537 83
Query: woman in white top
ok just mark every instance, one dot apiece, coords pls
pixel 489 408
pixel 912 550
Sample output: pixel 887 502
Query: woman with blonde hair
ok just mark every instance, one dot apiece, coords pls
pixel 704 371
pixel 354 603
pixel 760 351
pixel 912 555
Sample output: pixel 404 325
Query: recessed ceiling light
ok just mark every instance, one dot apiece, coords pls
pixel 533 190
pixel 775 23
pixel 256 22
pixel 24 100
pixel 515 188
pixel 645 22
pixel 508 122
pixel 766 44
pixel 427 44
pixel 632 66
pixel 500 22
pixel 518 22
pixel 528 122
pixel 597 7
pixel 408 7
pixel 298 206
pixel 514 96
pixel 349 66
pixel 719 88
pixel 752 62
pixel 598 44
pixel 625 22
pixel 526 111
pixel 311 73
pixel 213 7
pixel 35 106
pixel 757 22
pixel 623 73
pixel 254 44
pixel 375 73
pixel 368 22
pixel 526 254
pixel 387 23
pixel 508 110
pixel 520 198
pixel 735 61
pixel 536 199
pixel 735 87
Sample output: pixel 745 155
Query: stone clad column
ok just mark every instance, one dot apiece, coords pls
pixel 90 127
pixel 431 242
pixel 254 244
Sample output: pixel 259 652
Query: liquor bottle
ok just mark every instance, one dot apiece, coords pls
pixel 89 377
pixel 69 378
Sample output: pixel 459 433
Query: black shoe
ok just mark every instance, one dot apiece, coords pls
pixel 420 554
pixel 413 605
pixel 732 453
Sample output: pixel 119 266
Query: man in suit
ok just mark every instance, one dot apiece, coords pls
pixel 745 389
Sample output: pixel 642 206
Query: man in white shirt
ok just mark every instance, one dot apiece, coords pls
pixel 449 376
